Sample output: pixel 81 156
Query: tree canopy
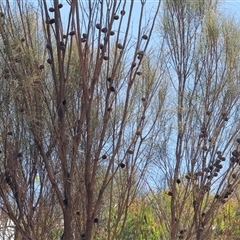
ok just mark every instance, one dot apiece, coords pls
pixel 119 120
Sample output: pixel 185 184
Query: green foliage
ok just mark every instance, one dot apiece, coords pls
pixel 142 222
pixel 56 234
pixel 227 221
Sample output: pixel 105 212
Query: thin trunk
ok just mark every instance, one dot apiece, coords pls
pixel 89 226
pixel 68 234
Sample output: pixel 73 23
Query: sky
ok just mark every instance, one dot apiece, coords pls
pixel 231 7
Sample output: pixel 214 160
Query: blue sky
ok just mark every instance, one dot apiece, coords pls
pixel 231 8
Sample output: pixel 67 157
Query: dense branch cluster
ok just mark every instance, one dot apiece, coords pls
pixel 118 119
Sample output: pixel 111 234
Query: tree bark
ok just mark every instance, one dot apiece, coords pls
pixel 67 235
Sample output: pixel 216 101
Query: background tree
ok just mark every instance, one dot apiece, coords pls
pixel 202 54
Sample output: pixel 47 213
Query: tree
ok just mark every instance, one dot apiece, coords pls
pixel 96 109
pixel 201 151
pixel 78 96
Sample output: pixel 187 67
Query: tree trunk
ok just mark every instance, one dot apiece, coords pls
pixel 67 235
pixel 89 227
